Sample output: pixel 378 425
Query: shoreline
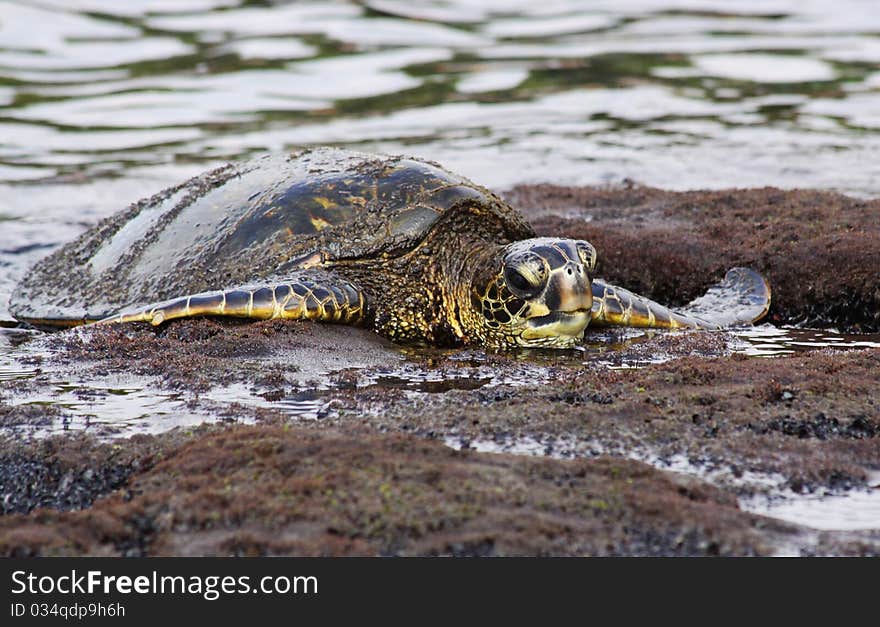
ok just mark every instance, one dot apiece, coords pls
pixel 376 473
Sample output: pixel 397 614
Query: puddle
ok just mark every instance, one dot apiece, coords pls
pixel 129 404
pixel 770 341
pixel 108 408
pixel 853 511
pixel 568 448
pixel 559 448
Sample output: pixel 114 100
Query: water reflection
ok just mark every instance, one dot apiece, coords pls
pixel 857 509
pixel 767 340
pixel 94 87
pixel 124 404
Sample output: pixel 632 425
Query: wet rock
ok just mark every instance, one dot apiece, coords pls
pixel 374 476
pixel 298 491
pixel 27 414
pixel 64 473
pixel 714 410
pixel 823 428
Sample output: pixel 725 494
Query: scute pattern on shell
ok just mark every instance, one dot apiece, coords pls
pixel 253 221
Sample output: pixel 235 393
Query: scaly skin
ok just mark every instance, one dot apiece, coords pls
pixel 297 300
pixel 616 306
pixel 535 292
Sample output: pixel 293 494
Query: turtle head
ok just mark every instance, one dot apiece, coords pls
pixel 541 295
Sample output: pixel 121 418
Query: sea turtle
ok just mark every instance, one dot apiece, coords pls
pixel 395 243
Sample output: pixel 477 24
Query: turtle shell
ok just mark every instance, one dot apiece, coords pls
pixel 255 221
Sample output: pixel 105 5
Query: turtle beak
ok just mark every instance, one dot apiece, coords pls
pixel 569 289
pixel 569 298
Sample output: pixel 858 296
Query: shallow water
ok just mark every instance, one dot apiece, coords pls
pixel 126 404
pixel 851 511
pixel 104 102
pixel 855 510
pixel 767 340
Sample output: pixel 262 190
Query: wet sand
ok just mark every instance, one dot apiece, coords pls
pixel 384 471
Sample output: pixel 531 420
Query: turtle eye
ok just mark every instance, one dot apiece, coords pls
pixel 587 254
pixel 519 284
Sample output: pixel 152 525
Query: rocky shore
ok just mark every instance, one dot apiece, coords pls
pixel 532 453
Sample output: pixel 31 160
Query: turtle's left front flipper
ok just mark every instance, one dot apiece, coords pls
pixel 741 297
pixel 324 298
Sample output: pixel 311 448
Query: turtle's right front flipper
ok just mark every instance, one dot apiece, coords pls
pixel 741 297
pixel 615 306
pixel 325 300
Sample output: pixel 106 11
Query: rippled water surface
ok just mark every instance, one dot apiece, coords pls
pixel 103 102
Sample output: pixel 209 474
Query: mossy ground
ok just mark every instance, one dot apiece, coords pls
pixel 375 476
